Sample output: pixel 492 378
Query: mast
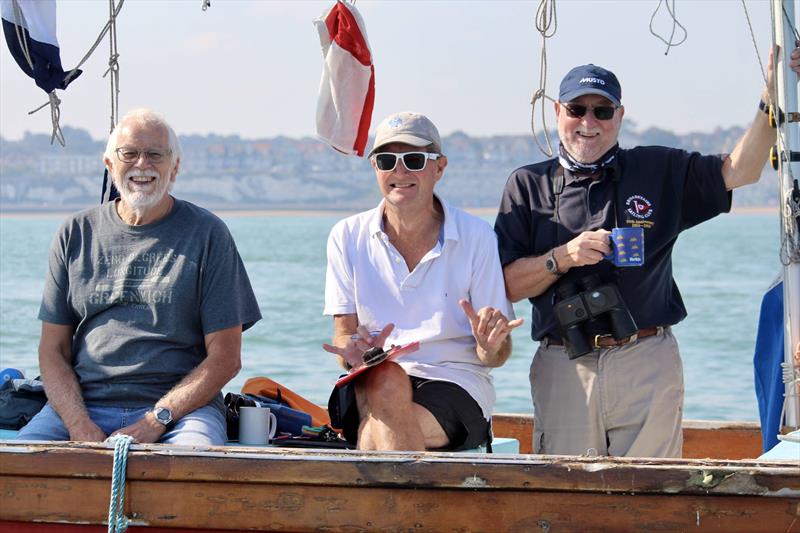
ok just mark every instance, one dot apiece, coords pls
pixel 788 143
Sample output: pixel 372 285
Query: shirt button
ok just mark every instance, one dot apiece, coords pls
pixel 396 259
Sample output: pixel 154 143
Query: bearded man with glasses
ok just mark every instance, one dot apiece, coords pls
pixel 625 396
pixel 415 269
pixel 144 305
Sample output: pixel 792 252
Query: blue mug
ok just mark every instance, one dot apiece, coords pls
pixel 627 247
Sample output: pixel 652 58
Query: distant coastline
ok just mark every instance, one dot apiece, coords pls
pixel 248 212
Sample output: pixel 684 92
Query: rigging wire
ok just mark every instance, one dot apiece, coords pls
pixel 546 24
pixel 755 45
pixel 675 25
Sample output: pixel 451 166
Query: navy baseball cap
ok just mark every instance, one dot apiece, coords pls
pixel 590 79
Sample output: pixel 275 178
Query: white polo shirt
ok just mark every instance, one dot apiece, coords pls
pixel 367 276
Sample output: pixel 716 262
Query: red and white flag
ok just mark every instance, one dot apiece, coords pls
pixel 347 88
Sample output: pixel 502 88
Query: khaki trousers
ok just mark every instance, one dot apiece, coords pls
pixel 620 401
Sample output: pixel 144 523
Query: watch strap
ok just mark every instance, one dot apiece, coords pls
pixel 552 264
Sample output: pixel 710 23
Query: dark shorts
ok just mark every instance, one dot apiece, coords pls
pixel 456 411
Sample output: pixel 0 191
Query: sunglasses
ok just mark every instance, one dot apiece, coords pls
pixel 601 112
pixel 414 161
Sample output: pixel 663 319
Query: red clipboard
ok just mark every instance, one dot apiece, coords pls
pixel 392 354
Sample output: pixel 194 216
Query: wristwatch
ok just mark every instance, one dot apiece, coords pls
pixel 551 265
pixel 164 417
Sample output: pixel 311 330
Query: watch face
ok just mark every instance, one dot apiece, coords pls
pixel 163 415
pixel 550 265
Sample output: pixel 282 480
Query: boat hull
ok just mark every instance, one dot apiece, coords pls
pixel 45 486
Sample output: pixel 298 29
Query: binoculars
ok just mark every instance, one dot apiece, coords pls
pixel 589 305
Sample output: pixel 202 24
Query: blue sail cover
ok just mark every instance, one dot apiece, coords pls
pixel 37 25
pixel 767 365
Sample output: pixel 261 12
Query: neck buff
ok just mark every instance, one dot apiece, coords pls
pixel 576 167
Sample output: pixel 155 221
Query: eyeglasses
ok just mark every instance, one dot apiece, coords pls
pixel 601 112
pixel 131 155
pixel 414 161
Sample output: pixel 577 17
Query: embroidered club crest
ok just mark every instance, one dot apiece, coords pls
pixel 639 207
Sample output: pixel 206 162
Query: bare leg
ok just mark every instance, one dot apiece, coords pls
pixel 389 418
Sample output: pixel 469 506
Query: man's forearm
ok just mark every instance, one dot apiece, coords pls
pixel 200 386
pixel 63 390
pixel 527 277
pixel 746 162
pixel 222 363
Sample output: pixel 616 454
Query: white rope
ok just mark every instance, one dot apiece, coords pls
pixel 113 64
pixel 23 42
pixel 675 25
pixel 546 24
pixel 53 100
pixel 113 13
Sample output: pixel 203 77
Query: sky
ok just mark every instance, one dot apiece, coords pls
pixel 252 67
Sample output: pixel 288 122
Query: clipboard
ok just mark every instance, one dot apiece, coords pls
pixel 392 354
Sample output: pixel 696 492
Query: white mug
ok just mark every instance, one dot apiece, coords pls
pixel 256 425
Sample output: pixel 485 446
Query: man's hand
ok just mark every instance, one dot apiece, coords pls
pixel 359 343
pixel 588 248
pixel 490 327
pixel 87 431
pixel 147 429
pixel 794 59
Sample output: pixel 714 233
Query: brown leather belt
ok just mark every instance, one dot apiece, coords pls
pixel 607 341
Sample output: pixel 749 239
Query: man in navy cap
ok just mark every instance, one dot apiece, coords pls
pixel 625 396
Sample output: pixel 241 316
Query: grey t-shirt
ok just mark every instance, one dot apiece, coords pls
pixel 141 298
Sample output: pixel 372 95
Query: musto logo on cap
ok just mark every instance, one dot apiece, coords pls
pixel 639 207
pixel 592 80
pixel 396 122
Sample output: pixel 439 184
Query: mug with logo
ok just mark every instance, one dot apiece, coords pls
pixel 627 245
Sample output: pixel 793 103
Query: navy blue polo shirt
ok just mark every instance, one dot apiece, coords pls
pixel 663 190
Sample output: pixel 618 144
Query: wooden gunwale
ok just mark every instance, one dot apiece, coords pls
pixel 46 485
pixel 701 438
pixel 343 468
pixel 306 490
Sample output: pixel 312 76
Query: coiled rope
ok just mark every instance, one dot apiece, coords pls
pixel 546 24
pixel 117 521
pixel 675 25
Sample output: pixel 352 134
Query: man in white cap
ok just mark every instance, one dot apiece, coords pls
pixel 415 269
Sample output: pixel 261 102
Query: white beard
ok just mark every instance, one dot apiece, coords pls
pixel 142 196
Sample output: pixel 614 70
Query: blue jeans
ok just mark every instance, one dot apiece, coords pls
pixel 201 427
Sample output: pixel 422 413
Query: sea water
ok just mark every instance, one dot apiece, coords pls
pixel 722 267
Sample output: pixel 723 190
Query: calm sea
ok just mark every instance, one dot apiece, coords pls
pixel 722 267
